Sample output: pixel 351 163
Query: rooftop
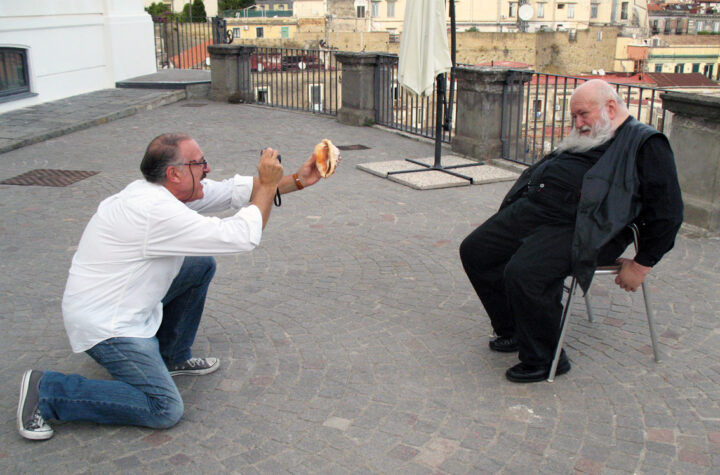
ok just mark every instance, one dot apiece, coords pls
pixel 351 340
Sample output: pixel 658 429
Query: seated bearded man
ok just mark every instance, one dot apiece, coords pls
pixel 566 215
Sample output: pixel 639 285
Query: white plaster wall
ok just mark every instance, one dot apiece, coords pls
pixel 77 46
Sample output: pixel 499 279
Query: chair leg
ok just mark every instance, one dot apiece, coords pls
pixel 591 318
pixel 651 324
pixel 563 329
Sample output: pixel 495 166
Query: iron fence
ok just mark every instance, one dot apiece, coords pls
pixel 536 112
pixel 249 13
pixel 299 79
pixel 183 45
pixel 398 109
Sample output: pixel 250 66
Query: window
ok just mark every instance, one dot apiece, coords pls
pixel 285 32
pixel 537 107
pixel 236 32
pixel 708 71
pixel 259 32
pixel 624 11
pixel 594 10
pixel 281 7
pixel 390 9
pixel 571 11
pixel 696 67
pixel 315 94
pixel 541 10
pixel 262 95
pixel 679 68
pixel 360 9
pixel 658 68
pixel 512 13
pixel 375 9
pixel 14 78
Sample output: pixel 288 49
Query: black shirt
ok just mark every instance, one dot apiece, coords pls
pixel 560 177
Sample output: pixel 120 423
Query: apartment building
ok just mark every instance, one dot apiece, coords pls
pixel 503 15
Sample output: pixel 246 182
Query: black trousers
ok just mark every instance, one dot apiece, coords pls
pixel 517 261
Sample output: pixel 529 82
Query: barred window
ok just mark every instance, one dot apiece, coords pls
pixel 14 78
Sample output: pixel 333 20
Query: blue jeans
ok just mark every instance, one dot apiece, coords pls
pixel 142 392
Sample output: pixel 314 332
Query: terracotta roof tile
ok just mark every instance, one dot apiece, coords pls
pixel 681 80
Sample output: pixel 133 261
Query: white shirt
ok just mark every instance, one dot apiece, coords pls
pixel 134 246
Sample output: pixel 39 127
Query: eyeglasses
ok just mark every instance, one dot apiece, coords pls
pixel 203 163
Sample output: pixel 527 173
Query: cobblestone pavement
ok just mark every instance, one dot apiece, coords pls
pixel 351 341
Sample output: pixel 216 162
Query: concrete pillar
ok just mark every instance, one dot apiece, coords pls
pixel 695 139
pixel 480 103
pixel 230 73
pixel 358 88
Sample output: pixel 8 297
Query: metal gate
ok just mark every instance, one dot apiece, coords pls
pixel 183 45
pixel 398 109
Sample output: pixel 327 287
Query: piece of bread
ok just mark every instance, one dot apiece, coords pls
pixel 326 157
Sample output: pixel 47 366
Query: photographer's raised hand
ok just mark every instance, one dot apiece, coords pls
pixel 270 172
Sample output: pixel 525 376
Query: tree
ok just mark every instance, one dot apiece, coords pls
pixel 234 4
pixel 195 13
pixel 157 9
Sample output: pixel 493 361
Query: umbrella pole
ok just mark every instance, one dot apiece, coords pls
pixel 439 106
pixel 442 111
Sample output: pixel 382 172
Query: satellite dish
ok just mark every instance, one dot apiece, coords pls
pixel 525 12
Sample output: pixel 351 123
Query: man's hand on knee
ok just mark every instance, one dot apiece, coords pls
pixel 631 274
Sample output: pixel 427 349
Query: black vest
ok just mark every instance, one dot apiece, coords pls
pixel 609 198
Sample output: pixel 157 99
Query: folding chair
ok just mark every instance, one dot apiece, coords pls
pixel 604 270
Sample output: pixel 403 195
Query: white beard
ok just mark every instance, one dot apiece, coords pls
pixel 600 132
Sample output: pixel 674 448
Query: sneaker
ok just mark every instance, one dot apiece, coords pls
pixel 196 366
pixel 30 422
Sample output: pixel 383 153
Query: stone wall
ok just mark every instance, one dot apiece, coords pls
pixel 550 52
pixel 695 138
pixel 593 48
pixel 341 8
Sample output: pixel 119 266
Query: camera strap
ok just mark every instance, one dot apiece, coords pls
pixel 278 200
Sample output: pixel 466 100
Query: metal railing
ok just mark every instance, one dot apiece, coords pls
pixel 398 109
pixel 256 13
pixel 183 45
pixel 536 112
pixel 298 79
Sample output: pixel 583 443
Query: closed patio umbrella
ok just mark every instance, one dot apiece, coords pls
pixel 425 58
pixel 424 51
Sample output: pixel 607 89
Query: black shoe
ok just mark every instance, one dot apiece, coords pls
pixel 504 344
pixel 526 373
